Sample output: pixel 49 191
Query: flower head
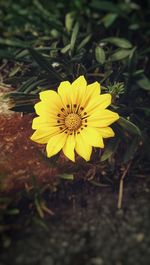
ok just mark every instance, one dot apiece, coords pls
pixel 73 119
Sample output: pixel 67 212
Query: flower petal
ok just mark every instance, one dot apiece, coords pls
pixel 45 121
pixel 64 90
pixel 50 95
pixel 102 119
pixel 46 109
pixel 106 132
pixel 78 90
pixel 98 103
pixel 50 100
pixel 93 137
pixel 92 90
pixel 55 144
pixel 42 136
pixel 82 148
pixel 69 146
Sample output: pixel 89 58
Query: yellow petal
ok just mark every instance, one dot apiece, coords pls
pixel 55 144
pixel 106 132
pixel 45 121
pixel 82 148
pixel 92 90
pixel 64 90
pixel 42 136
pixel 46 109
pixel 103 119
pixel 69 146
pixel 93 137
pixel 50 96
pixel 98 103
pixel 78 90
pixel 51 100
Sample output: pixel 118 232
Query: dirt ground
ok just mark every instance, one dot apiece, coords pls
pixel 87 229
pixel 20 158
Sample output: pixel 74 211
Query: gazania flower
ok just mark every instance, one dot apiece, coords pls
pixel 73 119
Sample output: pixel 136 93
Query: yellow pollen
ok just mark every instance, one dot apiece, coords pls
pixel 73 121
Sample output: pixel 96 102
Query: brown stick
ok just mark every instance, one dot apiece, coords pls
pixel 120 196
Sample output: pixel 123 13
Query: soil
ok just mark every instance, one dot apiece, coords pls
pixel 86 227
pixel 21 160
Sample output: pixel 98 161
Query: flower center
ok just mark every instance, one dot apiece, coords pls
pixel 73 121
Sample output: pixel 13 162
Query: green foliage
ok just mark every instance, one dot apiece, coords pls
pixel 110 148
pixel 66 176
pixel 119 42
pixel 100 55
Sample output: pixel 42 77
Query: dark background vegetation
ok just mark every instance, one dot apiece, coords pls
pixel 41 44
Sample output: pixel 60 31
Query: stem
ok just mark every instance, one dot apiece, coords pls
pixel 120 196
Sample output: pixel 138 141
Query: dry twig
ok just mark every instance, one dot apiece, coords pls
pixel 120 196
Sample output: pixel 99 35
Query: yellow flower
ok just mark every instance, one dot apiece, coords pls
pixel 74 119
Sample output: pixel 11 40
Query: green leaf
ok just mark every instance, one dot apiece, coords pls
pixel 74 36
pixel 129 126
pixel 14 211
pixel 31 85
pixel 131 149
pixel 14 43
pixel 119 42
pixel 138 72
pixel 21 102
pixel 69 19
pixel 44 63
pixel 26 84
pixel 110 148
pixel 134 26
pixel 15 70
pixel 67 176
pixel 21 54
pixel 66 48
pixel 38 221
pixel 48 16
pixel 38 206
pixel 100 55
pixel 6 54
pixel 105 6
pixel 120 55
pixel 109 19
pixel 144 83
pixel 19 95
pixel 84 42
